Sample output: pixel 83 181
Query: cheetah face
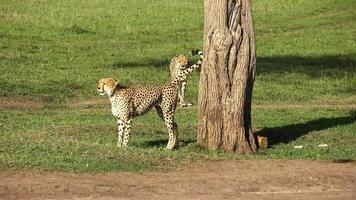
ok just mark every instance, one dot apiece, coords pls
pixel 182 60
pixel 105 85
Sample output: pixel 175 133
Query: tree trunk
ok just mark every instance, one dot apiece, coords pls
pixel 227 76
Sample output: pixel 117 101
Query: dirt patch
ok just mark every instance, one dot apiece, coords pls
pixel 19 102
pixel 301 106
pixel 13 102
pixel 228 179
pixel 89 102
pixel 26 102
pixel 339 105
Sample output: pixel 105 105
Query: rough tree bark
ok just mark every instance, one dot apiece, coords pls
pixel 227 76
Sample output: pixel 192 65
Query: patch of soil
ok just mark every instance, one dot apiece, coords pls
pixel 226 179
pixel 90 102
pixel 340 105
pixel 19 102
pixel 26 102
pixel 301 106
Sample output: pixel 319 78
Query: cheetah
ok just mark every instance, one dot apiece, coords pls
pixel 128 102
pixel 177 64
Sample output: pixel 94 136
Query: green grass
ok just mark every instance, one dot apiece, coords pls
pixel 84 139
pixel 72 44
pixel 55 51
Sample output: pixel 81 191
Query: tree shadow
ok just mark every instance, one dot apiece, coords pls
pixel 149 62
pixel 288 133
pixel 314 66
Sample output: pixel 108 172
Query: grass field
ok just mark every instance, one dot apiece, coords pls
pixel 53 53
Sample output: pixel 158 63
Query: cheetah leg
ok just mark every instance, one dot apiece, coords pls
pixel 127 132
pixel 181 94
pixel 120 131
pixel 173 135
pixel 160 112
pixel 172 130
pixel 172 127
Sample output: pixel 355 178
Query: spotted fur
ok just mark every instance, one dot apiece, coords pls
pixel 178 64
pixel 127 102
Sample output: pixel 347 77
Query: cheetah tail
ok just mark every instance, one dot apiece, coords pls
pixel 197 52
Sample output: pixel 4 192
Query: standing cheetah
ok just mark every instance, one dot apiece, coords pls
pixel 177 64
pixel 127 103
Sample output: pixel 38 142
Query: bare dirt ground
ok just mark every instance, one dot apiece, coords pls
pixel 14 102
pixel 226 179
pixel 329 104
pixel 19 102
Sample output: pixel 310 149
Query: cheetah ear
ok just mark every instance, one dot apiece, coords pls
pixel 113 89
pixel 116 85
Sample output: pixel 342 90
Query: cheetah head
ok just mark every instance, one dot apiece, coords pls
pixel 106 86
pixel 182 61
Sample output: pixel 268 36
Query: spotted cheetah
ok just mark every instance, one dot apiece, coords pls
pixel 127 102
pixel 177 64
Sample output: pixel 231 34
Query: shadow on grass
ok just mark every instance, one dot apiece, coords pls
pixel 149 62
pixel 155 143
pixel 288 133
pixel 317 66
pixel 163 143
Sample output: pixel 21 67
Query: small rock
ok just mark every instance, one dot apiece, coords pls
pixel 322 145
pixel 298 147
